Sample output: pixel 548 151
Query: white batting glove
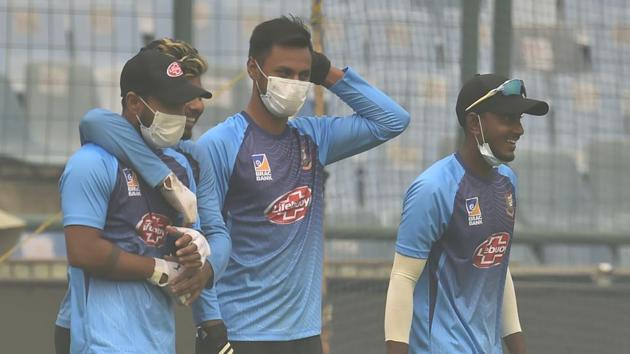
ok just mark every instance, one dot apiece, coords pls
pixel 199 240
pixel 163 273
pixel 180 197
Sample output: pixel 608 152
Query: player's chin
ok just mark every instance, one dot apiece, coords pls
pixel 507 156
pixel 187 133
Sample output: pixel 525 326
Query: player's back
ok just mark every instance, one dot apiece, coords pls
pixel 458 298
pixel 118 316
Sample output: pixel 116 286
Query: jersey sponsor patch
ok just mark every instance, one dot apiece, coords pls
pixel 174 70
pixel 152 229
pixel 509 204
pixel 474 211
pixel 133 186
pixel 491 251
pixel 261 167
pixel 290 207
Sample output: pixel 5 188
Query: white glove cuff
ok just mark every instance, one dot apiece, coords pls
pixel 159 270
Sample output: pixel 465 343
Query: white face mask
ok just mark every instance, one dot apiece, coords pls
pixel 485 150
pixel 284 97
pixel 166 129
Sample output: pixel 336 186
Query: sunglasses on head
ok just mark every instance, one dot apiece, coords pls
pixel 513 87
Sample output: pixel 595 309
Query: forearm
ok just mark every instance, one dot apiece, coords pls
pixel 399 303
pixel 121 139
pixel 334 74
pixel 387 118
pixel 104 259
pixel 512 333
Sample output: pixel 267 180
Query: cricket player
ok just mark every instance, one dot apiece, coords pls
pixel 117 227
pixel 193 66
pixel 269 173
pixel 450 288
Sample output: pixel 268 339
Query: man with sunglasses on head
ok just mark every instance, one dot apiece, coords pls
pixel 450 288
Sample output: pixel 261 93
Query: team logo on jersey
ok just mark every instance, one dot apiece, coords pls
pixel 290 207
pixel 509 204
pixel 133 186
pixel 261 167
pixel 474 211
pixel 174 70
pixel 491 252
pixel 152 229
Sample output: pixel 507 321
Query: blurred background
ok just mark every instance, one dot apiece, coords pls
pixel 571 256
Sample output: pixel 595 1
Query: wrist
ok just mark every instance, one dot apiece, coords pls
pixel 159 276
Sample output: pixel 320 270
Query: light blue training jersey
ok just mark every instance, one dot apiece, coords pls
pixel 463 226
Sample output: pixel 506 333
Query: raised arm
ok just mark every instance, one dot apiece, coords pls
pixel 114 133
pixel 377 118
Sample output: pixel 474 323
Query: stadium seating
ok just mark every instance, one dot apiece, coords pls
pixel 13 130
pixel 611 195
pixel 57 96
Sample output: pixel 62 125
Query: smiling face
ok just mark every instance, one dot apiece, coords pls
pixel 193 110
pixel 501 132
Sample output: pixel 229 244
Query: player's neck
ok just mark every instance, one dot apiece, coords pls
pixel 261 116
pixel 471 157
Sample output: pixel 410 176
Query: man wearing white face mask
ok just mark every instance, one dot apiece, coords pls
pixel 116 226
pixel 450 288
pixel 269 179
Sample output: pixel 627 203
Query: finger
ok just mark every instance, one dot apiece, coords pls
pixel 193 296
pixel 173 231
pixel 185 286
pixel 192 264
pixel 193 257
pixel 188 250
pixel 183 240
pixel 170 258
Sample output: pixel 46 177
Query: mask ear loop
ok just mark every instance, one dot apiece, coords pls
pixel 480 128
pixel 262 72
pixel 146 105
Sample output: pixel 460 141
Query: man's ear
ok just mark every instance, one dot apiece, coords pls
pixel 472 123
pixel 134 104
pixel 252 69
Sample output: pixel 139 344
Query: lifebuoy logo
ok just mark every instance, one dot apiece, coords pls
pixel 290 207
pixel 491 252
pixel 152 229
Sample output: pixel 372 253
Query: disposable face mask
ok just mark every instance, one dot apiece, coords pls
pixel 166 129
pixel 485 150
pixel 284 97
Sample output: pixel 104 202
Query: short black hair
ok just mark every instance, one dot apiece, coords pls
pixel 283 31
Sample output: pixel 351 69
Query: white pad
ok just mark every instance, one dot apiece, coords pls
pixel 180 198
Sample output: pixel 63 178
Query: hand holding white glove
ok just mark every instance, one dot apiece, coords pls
pixel 192 247
pixel 180 198
pixel 166 272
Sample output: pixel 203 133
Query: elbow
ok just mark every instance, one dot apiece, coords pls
pixel 85 261
pixel 400 119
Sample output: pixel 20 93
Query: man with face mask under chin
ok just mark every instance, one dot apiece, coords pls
pixel 450 288
pixel 267 172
